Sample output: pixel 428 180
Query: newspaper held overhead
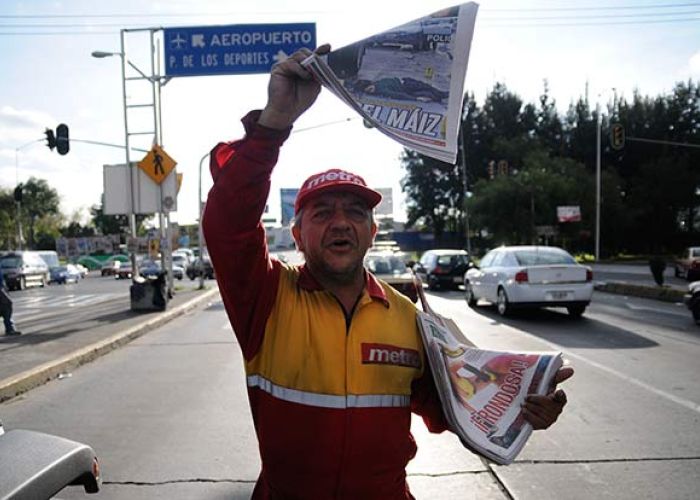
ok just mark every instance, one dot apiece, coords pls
pixel 481 391
pixel 407 82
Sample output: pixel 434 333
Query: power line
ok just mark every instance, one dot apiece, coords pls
pixel 601 23
pixel 588 16
pixel 543 18
pixel 622 7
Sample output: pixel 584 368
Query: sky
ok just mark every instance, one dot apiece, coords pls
pixel 51 78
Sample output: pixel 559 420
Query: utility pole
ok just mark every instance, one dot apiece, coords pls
pixel 597 183
pixel 466 191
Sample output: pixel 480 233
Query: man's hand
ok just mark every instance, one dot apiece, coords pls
pixel 543 411
pixel 291 91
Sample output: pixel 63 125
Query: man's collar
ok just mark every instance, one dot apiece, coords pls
pixel 308 282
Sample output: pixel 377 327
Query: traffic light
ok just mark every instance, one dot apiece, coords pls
pixel 18 193
pixel 492 169
pixel 62 144
pixel 503 167
pixel 617 136
pixel 50 139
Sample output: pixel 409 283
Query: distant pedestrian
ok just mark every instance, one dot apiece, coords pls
pixel 6 308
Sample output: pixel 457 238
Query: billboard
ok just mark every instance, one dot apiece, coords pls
pixel 386 206
pixel 287 197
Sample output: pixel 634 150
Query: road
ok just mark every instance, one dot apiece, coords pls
pixel 168 414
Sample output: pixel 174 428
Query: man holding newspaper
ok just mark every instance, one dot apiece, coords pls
pixel 333 356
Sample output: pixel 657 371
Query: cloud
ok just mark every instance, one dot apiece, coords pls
pixel 694 64
pixel 20 126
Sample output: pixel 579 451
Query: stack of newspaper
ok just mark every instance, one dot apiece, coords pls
pixel 407 82
pixel 481 391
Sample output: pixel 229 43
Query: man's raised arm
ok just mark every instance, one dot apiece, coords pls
pixel 241 170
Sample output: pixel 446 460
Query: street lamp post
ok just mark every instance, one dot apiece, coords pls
pixel 597 182
pixel 466 191
pixel 18 203
pixel 132 213
pixel 201 233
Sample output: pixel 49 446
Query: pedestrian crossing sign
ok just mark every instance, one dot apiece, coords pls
pixel 157 164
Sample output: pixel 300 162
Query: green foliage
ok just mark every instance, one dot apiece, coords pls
pixel 650 192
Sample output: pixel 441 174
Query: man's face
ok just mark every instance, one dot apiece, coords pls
pixel 336 231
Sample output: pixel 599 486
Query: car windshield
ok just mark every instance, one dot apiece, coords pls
pixel 543 257
pixel 695 252
pixel 10 262
pixel 385 264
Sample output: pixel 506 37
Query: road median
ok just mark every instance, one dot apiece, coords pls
pixel 662 293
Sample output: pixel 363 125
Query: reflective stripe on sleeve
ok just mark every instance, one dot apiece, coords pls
pixel 328 400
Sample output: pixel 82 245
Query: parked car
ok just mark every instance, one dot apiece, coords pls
pixel 110 268
pixel 692 300
pixel 442 268
pixel 38 465
pixel 391 267
pixel 152 268
pixel 688 266
pixel 64 274
pixel 530 277
pixel 194 270
pixel 188 253
pixel 123 270
pixel 180 260
pixel 22 269
pixel 82 270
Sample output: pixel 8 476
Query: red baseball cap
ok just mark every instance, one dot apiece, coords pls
pixel 335 180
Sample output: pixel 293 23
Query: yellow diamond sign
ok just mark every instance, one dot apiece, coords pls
pixel 157 164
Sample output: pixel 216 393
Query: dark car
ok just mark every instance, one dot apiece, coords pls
pixel 194 270
pixel 152 268
pixel 23 269
pixel 442 268
pixel 64 274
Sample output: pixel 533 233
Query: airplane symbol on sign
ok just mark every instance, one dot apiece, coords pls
pixel 178 41
pixel 280 56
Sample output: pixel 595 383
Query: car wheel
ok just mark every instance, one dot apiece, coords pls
pixel 432 283
pixel 502 303
pixel 469 295
pixel 677 272
pixel 576 311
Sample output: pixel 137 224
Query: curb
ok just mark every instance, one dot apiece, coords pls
pixel 29 379
pixel 662 293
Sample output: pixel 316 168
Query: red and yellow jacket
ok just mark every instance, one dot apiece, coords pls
pixel 331 396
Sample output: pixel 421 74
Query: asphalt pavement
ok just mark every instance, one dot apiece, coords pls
pixel 54 341
pixel 53 345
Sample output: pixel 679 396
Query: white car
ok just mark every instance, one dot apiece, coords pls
pixel 530 277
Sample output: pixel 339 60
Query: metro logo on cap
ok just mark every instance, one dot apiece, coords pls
pixel 336 180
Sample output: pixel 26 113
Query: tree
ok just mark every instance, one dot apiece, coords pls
pixel 113 224
pixel 434 192
pixel 39 199
pixel 8 225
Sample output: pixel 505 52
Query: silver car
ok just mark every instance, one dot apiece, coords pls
pixel 530 277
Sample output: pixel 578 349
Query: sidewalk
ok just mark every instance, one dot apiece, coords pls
pixel 42 354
